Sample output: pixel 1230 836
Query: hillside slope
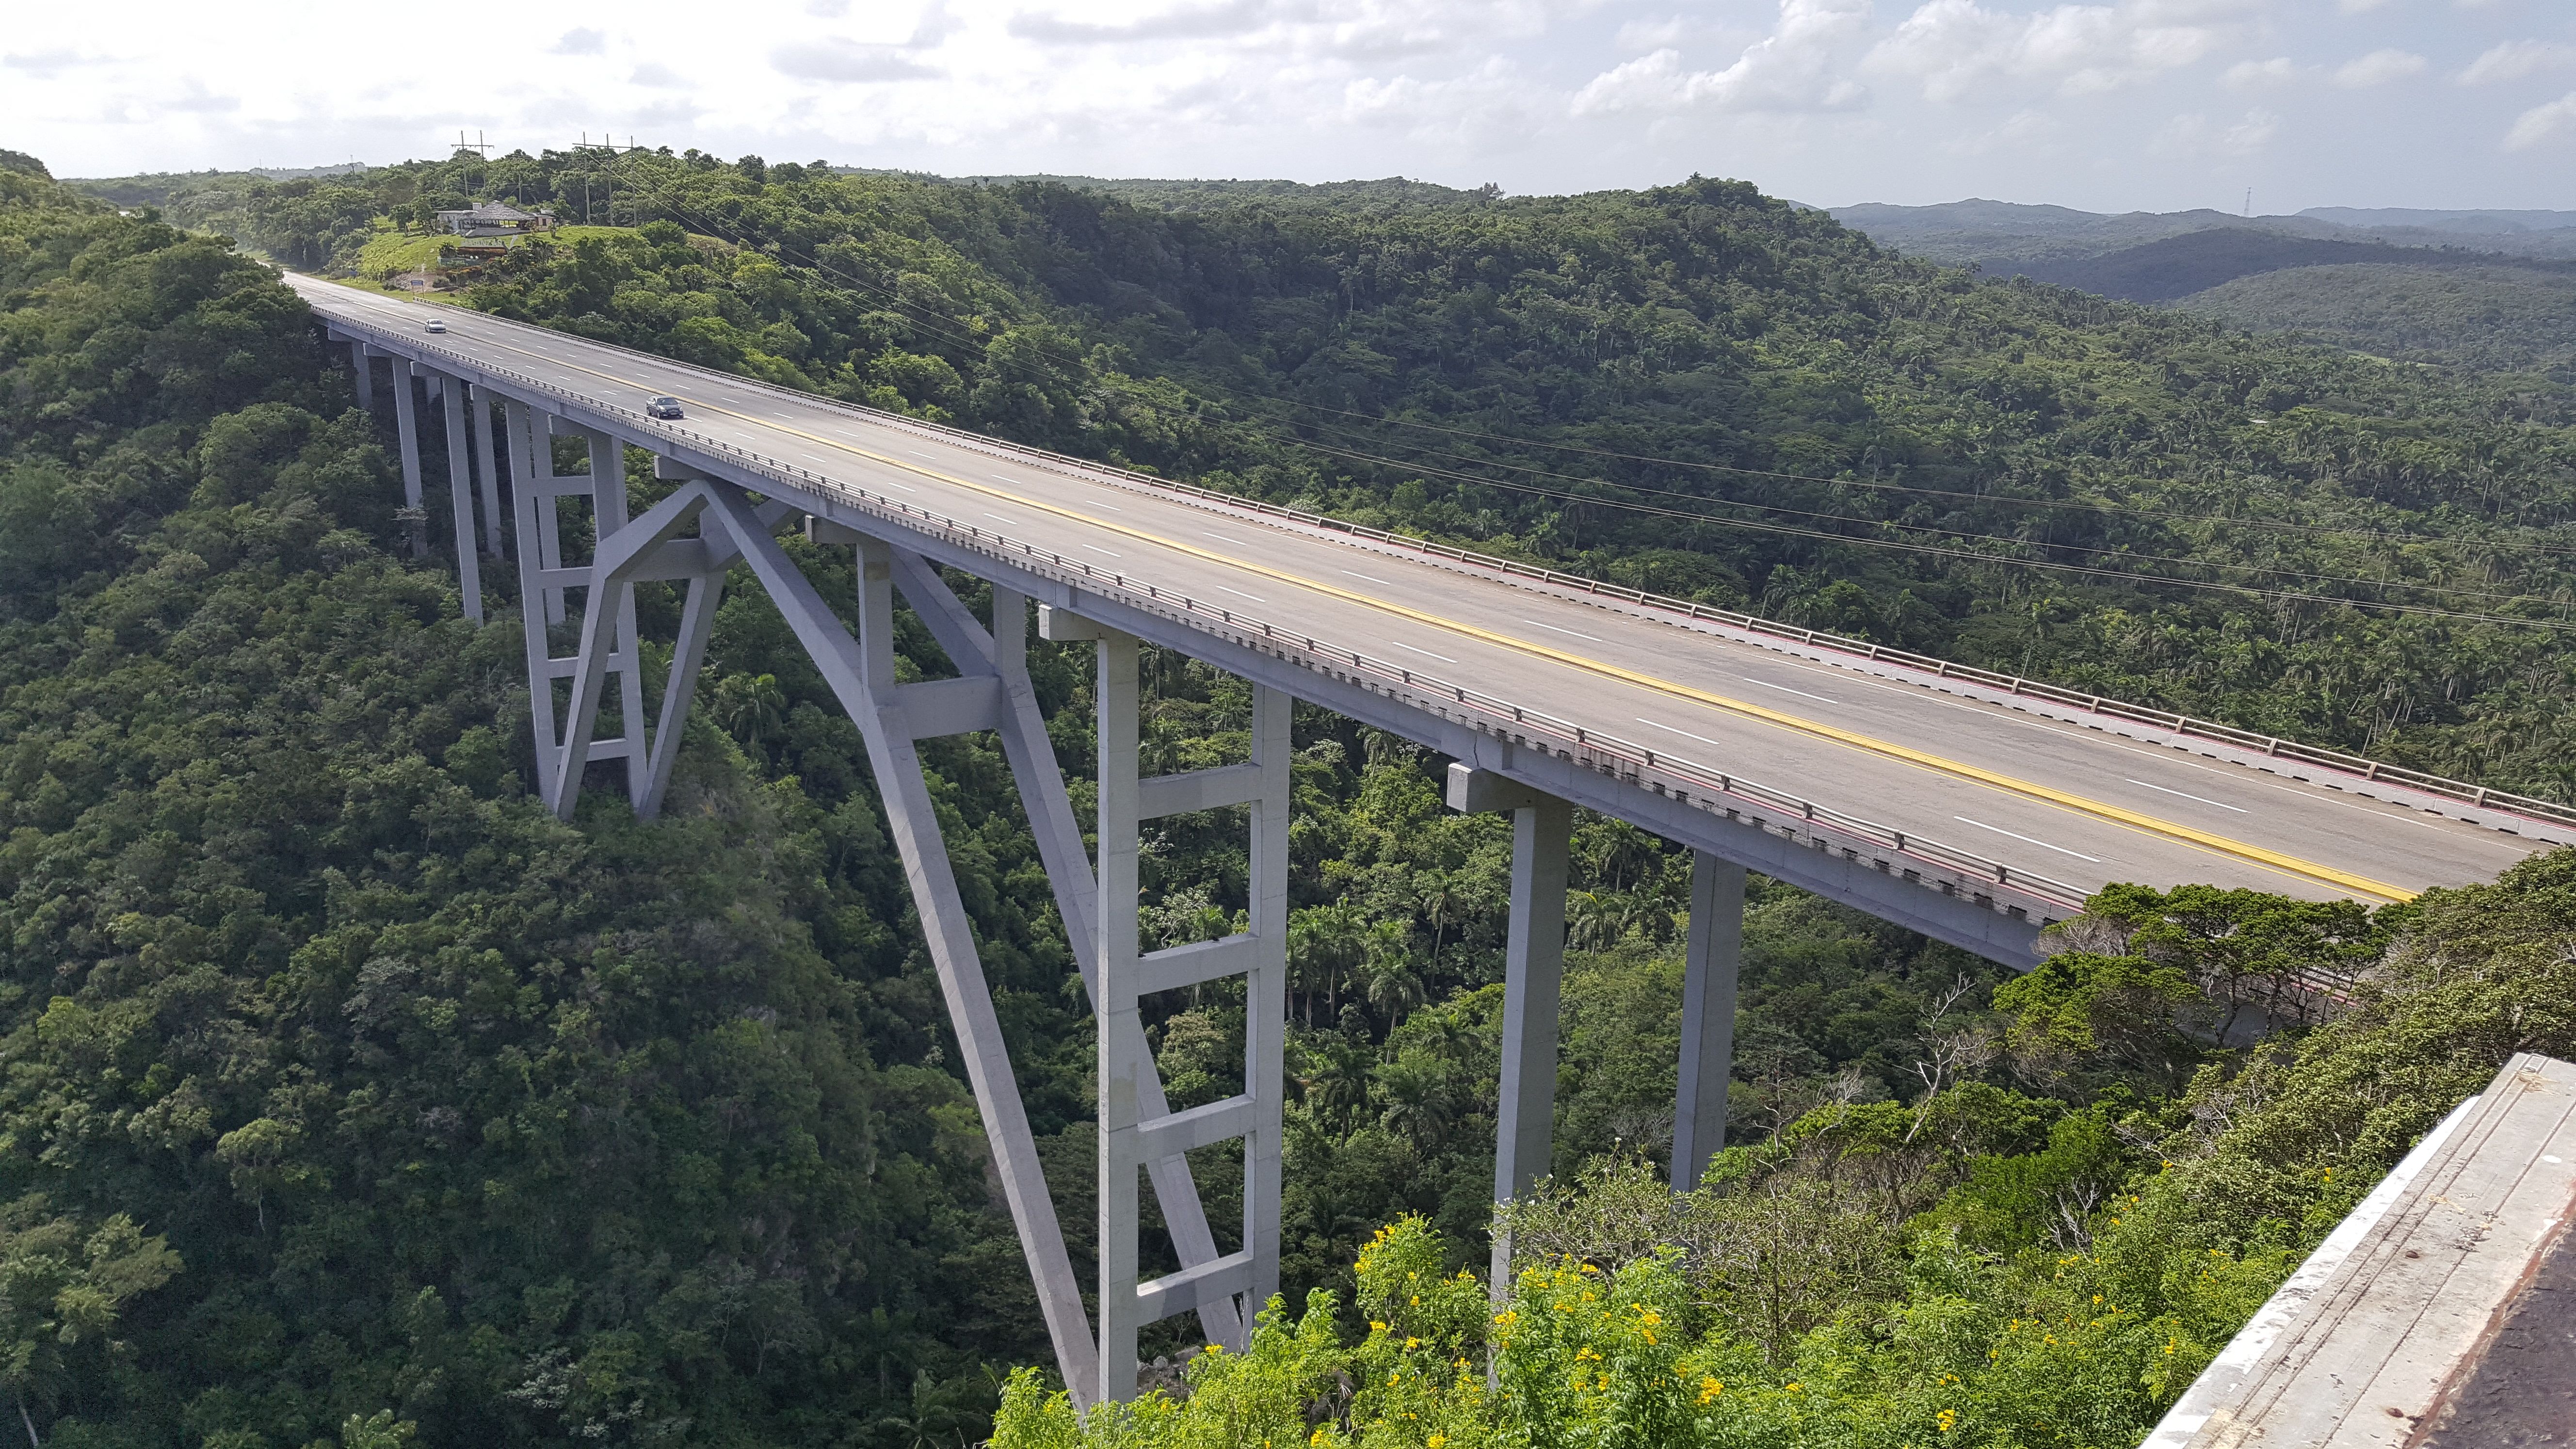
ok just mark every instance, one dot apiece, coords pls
pixel 527 1132
pixel 2178 266
pixel 344 1081
pixel 2000 236
pixel 2484 317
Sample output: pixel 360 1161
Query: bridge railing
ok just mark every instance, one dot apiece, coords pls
pixel 1954 871
pixel 2187 726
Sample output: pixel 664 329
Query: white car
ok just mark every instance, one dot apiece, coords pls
pixel 433 325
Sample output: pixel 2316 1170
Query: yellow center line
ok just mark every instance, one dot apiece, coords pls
pixel 2029 790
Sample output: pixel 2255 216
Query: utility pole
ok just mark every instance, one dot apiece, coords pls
pixel 482 150
pixel 607 146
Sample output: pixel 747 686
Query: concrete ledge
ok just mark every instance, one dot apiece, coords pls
pixel 2384 1334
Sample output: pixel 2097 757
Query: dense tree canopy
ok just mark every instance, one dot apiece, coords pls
pixel 348 1094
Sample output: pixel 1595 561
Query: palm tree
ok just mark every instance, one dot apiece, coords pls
pixel 1440 901
pixel 1324 943
pixel 1417 1097
pixel 750 707
pixel 1337 1077
pixel 1387 973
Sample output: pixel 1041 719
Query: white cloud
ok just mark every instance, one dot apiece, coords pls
pixel 2359 7
pixel 2515 59
pixel 2039 100
pixel 2247 75
pixel 1467 111
pixel 2543 123
pixel 1223 20
pixel 46 64
pixel 1651 34
pixel 2379 68
pixel 832 58
pixel 2025 135
pixel 1959 49
pixel 2193 135
pixel 1799 66
pixel 2251 133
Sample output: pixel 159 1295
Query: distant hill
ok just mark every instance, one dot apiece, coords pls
pixel 1992 234
pixel 2487 289
pixel 2467 221
pixel 2003 237
pixel 155 189
pixel 2178 266
pixel 1189 194
pixel 2479 316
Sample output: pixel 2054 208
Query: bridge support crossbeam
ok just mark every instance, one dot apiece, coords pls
pixel 1138 1130
pixel 1031 753
pixel 993 692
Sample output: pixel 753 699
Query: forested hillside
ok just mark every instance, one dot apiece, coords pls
pixel 2492 318
pixel 356 1085
pixel 1696 389
pixel 2176 267
pixel 344 1081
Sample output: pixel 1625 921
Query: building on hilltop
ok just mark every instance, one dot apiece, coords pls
pixel 490 228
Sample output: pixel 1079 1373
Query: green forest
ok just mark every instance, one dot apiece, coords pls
pixel 2496 317
pixel 352 1099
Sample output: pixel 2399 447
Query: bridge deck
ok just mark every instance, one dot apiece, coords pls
pixel 2044 793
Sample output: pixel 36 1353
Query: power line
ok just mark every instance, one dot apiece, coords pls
pixel 819 265
pixel 2130 575
pixel 816 265
pixel 2087 506
pixel 1961 533
pixel 928 321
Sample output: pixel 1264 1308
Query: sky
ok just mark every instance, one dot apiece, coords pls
pixel 2134 104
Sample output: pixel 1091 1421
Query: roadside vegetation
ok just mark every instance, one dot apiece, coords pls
pixel 2041 1253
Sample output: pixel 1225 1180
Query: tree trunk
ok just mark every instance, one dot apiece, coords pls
pixel 29 1421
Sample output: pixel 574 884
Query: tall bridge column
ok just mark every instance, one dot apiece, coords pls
pixel 486 467
pixel 362 376
pixel 460 488
pixel 1138 1130
pixel 407 446
pixel 1533 978
pixel 1708 1015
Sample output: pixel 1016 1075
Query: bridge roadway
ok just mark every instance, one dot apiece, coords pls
pixel 2070 800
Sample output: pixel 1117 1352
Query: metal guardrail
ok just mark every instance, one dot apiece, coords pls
pixel 2273 746
pixel 1988 881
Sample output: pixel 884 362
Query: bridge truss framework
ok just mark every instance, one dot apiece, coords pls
pixel 727 512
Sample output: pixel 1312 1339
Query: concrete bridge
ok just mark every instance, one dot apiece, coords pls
pixel 1973 807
